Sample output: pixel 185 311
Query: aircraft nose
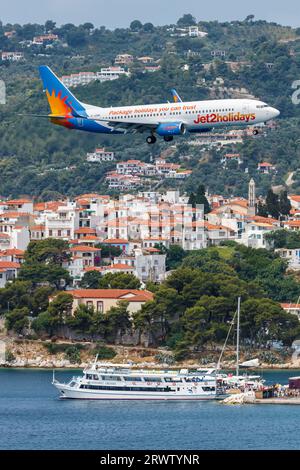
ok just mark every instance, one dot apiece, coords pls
pixel 274 112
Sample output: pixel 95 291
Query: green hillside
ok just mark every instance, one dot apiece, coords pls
pixel 35 156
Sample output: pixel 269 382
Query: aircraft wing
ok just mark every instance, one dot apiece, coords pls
pixel 127 127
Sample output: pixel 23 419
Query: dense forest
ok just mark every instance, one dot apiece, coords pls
pixel 39 159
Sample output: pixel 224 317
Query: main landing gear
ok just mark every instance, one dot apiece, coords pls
pixel 255 132
pixel 151 139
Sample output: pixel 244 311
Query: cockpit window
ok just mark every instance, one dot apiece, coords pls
pixel 263 105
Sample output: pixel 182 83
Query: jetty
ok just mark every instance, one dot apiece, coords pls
pixel 277 401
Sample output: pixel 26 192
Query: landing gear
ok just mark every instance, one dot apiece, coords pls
pixel 151 139
pixel 168 138
pixel 255 132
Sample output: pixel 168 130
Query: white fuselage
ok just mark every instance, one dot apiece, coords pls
pixel 197 116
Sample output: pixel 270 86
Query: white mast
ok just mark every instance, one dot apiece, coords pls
pixel 238 337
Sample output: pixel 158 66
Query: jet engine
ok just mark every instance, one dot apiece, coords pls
pixel 170 128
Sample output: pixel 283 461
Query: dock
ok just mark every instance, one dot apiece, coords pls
pixel 277 401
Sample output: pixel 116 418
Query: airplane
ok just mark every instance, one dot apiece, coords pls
pixel 165 119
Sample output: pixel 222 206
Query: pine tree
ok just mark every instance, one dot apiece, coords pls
pixel 272 203
pixel 262 209
pixel 284 203
pixel 201 198
pixel 192 200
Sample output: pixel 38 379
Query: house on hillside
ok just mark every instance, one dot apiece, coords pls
pixel 103 299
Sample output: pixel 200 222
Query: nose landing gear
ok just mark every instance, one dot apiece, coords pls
pixel 151 139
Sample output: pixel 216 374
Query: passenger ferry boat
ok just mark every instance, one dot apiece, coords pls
pixel 102 382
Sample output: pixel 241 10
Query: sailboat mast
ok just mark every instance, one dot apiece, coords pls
pixel 238 337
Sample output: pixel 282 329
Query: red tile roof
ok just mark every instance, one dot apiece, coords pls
pixel 85 230
pixel 121 294
pixel 84 248
pixel 13 202
pixel 119 241
pixel 287 306
pixel 9 265
pixel 121 266
pixel 12 251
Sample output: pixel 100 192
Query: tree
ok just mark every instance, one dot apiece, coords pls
pixel 192 200
pixel 119 281
pixel 49 250
pixel 76 37
pixel 148 28
pixel 283 239
pixel 200 198
pixel 82 320
pixel 43 262
pixel 49 26
pixel 56 314
pixel 118 321
pixel 91 280
pixel 136 25
pixel 186 20
pixel 249 18
pixel 272 204
pixel 88 26
pixel 175 255
pixel 17 320
pixel 109 251
pixel 284 203
pixel 155 317
pixel 262 209
pixel 264 321
pixel 16 295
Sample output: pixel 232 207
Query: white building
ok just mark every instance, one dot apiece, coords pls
pixel 111 73
pixel 254 234
pixel 291 256
pixel 124 59
pixel 100 155
pixel 8 271
pixel 12 56
pixel 61 223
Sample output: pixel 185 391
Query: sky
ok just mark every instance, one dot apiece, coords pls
pixel 119 13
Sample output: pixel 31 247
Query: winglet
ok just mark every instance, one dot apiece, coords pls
pixel 175 95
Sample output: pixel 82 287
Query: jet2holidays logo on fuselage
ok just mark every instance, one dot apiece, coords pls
pixel 214 118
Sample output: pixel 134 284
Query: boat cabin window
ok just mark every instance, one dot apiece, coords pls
pixel 193 379
pixel 172 379
pixel 132 379
pixel 110 377
pixel 152 379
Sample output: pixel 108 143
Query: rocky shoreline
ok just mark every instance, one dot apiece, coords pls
pixel 36 355
pixel 66 364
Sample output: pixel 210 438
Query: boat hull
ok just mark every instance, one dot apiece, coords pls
pixel 68 393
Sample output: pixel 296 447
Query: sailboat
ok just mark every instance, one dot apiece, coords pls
pixel 237 381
